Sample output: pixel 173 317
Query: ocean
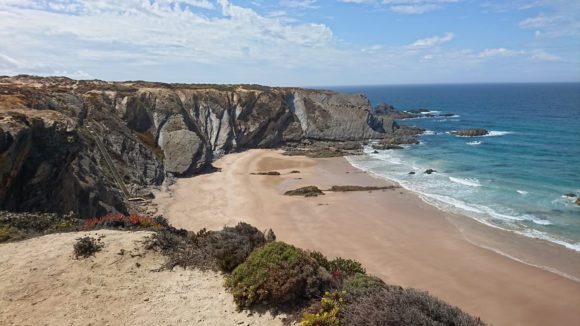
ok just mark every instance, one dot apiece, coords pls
pixel 514 178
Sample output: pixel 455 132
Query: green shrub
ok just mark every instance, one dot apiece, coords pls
pixel 346 267
pixel 327 315
pixel 166 241
pixel 232 245
pixel 213 250
pixel 358 283
pixel 14 226
pixel 8 232
pixel 340 267
pixel 320 259
pixel 276 273
pixel 393 305
pixel 87 246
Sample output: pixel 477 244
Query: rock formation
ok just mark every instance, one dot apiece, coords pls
pixel 470 132
pixel 89 146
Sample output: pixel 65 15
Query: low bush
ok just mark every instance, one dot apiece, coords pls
pixel 17 226
pixel 327 315
pixel 215 250
pixel 393 305
pixel 339 267
pixel 86 247
pixel 120 221
pixel 359 283
pixel 347 267
pixel 8 233
pixel 232 245
pixel 276 273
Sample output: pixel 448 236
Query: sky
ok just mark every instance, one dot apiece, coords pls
pixel 293 42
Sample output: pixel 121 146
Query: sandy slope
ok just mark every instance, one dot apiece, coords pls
pixel 393 233
pixel 41 284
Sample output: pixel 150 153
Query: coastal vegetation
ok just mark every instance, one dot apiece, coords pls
pixel 262 272
pixel 87 246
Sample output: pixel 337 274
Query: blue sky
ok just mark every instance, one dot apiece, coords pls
pixel 293 42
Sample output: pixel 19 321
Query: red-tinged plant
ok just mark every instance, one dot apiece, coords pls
pixel 120 221
pixel 337 276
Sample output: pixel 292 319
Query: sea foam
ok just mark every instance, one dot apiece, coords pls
pixel 472 182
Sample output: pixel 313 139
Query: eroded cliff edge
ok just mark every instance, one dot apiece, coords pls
pixel 90 146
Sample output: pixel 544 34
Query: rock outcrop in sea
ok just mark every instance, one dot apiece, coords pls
pixel 92 146
pixel 470 132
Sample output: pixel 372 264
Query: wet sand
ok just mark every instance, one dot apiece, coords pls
pixel 393 233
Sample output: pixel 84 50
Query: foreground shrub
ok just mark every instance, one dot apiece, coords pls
pixel 340 268
pixel 360 283
pixel 15 226
pixel 223 250
pixel 8 233
pixel 393 305
pixel 232 245
pixel 276 273
pixel 330 306
pixel 347 267
pixel 86 247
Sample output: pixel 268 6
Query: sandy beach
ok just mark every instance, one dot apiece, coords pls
pixel 392 232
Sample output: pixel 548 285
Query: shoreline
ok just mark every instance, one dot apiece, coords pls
pixel 396 235
pixel 508 243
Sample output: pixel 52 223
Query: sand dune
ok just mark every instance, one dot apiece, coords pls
pixel 42 284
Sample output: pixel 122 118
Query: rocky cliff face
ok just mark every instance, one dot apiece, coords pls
pixel 88 146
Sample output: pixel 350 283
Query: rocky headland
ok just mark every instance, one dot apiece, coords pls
pixel 94 147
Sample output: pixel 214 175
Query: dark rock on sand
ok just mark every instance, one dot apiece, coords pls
pixel 266 173
pixel 429 171
pixel 308 191
pixel 360 188
pixel 470 132
pixel 386 146
pixel 412 172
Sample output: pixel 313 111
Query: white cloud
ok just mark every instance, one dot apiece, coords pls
pixel 558 18
pixel 190 40
pixel 136 31
pixel 497 52
pixel 412 7
pixel 541 55
pixel 432 41
pixel 372 49
pixel 299 4
pixel 357 1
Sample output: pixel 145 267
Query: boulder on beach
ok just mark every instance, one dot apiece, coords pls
pixel 308 191
pixel 429 171
pixel 470 132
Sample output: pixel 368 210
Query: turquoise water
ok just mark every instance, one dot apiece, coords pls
pixel 513 179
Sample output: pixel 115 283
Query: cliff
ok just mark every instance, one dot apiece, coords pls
pixel 89 146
